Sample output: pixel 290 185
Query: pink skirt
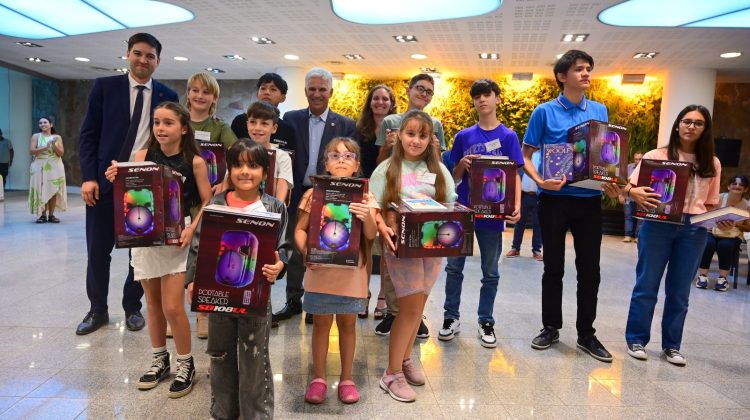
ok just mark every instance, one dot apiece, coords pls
pixel 412 275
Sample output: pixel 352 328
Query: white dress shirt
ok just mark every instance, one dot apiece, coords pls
pixel 141 137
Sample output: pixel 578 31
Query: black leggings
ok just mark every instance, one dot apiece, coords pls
pixel 724 248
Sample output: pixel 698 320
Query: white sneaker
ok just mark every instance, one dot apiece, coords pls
pixel 449 330
pixel 637 351
pixel 675 357
pixel 721 285
pixel 702 282
pixel 487 335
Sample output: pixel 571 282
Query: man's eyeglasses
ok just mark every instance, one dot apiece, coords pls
pixel 695 123
pixel 346 156
pixel 422 89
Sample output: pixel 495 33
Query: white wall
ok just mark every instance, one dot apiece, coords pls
pixel 683 87
pixel 15 120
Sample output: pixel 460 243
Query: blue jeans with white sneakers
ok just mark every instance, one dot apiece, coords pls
pixel 490 248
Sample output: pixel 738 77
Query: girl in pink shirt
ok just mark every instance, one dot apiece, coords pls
pixel 676 248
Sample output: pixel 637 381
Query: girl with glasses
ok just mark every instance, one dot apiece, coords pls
pixel 676 248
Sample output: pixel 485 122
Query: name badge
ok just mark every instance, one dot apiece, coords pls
pixel 202 135
pixel 427 178
pixel 492 145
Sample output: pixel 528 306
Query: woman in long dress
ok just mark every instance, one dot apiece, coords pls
pixel 47 191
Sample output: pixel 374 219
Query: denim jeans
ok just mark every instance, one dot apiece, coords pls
pixel 490 247
pixel 529 207
pixel 241 377
pixel 676 248
pixel 632 225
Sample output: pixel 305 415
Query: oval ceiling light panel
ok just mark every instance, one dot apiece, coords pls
pixel 739 19
pixel 40 19
pixel 674 13
pixel 385 12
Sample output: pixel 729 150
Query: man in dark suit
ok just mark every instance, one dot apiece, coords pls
pixel 116 125
pixel 315 125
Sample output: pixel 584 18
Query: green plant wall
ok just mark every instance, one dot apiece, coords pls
pixel 636 107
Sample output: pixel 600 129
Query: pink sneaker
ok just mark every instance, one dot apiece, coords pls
pixel 316 391
pixel 395 385
pixel 348 392
pixel 413 375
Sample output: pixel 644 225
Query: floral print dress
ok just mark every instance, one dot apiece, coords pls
pixel 47 179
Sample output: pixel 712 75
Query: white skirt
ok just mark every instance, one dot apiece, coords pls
pixel 158 261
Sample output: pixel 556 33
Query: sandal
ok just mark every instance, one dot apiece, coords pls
pixel 316 391
pixel 364 313
pixel 53 219
pixel 348 393
pixel 379 312
pixel 42 219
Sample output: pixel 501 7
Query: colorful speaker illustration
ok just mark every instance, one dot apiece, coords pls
pixel 579 157
pixel 610 151
pixel 442 234
pixel 212 165
pixel 238 255
pixel 663 182
pixel 493 185
pixel 139 211
pixel 335 226
pixel 175 209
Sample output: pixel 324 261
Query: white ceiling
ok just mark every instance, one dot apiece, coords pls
pixel 526 33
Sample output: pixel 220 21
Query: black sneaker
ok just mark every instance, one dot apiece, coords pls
pixel 183 381
pixel 548 336
pixel 449 330
pixel 594 348
pixel 675 357
pixel 423 332
pixel 158 371
pixel 487 335
pixel 384 328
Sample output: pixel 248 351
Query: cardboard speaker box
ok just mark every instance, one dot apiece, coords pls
pixel 433 229
pixel 234 246
pixel 214 154
pixel 669 179
pixel 600 154
pixel 148 205
pixel 334 234
pixel 492 187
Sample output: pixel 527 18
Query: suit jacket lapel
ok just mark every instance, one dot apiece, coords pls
pixel 305 130
pixel 125 100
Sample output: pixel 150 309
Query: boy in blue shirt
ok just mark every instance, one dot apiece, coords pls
pixel 563 207
pixel 488 137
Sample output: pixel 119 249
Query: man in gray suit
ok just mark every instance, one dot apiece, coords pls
pixel 315 125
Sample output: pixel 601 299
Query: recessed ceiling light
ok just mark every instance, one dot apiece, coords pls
pixel 82 59
pixel 428 69
pixel 37 60
pixel 385 12
pixel 122 57
pixel 178 58
pixel 574 37
pixel 559 56
pixel 234 57
pixel 405 38
pixel 29 44
pixel 262 40
pixel 354 57
pixel 54 19
pixel 121 70
pixel 214 70
pixel 733 54
pixel 645 54
pixel 418 56
pixel 291 57
pixel 489 56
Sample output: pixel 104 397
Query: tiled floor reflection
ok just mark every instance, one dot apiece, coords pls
pixel 46 371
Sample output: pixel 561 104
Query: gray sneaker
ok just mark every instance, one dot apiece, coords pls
pixel 637 351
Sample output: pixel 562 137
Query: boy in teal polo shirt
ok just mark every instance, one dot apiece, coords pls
pixel 563 207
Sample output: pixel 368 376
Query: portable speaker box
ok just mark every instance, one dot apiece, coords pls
pixel 669 179
pixel 234 246
pixel 334 233
pixel 214 154
pixel 447 232
pixel 600 154
pixel 148 205
pixel 492 187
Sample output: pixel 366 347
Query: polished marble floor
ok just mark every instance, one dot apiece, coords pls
pixel 46 371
